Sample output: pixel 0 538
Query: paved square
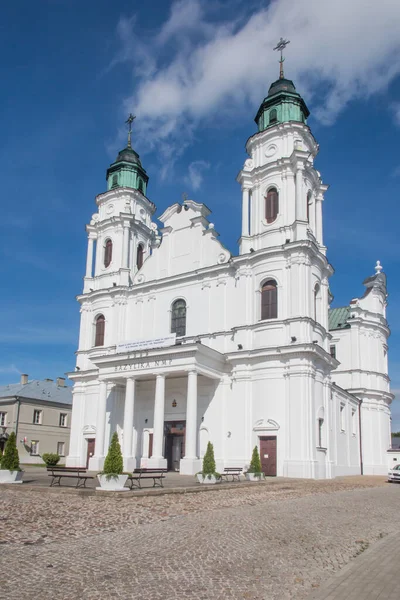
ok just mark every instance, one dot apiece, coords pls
pixel 274 541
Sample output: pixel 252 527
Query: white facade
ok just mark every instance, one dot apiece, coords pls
pixel 234 378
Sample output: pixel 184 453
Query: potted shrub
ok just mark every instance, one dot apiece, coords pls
pixel 254 472
pixel 112 477
pixel 10 471
pixel 208 473
pixel 51 459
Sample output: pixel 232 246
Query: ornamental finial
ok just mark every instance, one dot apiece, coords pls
pixel 378 267
pixel 281 45
pixel 129 122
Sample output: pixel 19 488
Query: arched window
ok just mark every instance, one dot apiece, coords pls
pixel 308 205
pixel 178 317
pixel 273 116
pixel 114 182
pixel 317 302
pixel 108 253
pixel 140 186
pixel 271 205
pixel 139 256
pixel 100 328
pixel 269 300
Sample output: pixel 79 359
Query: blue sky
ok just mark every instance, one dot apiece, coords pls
pixel 194 72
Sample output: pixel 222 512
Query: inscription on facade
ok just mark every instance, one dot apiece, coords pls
pixel 142 363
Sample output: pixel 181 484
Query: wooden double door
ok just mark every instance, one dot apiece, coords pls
pixel 268 455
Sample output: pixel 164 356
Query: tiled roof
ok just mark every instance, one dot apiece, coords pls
pixel 338 318
pixel 46 391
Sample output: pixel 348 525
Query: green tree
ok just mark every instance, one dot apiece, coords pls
pixel 396 434
pixel 255 463
pixel 209 460
pixel 114 464
pixel 10 458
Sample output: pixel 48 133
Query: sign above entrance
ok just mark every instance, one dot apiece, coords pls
pixel 161 342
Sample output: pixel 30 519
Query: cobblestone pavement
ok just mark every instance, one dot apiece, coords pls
pixel 269 542
pixel 373 575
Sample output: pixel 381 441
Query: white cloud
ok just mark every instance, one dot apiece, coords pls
pixel 195 174
pixel 396 112
pixel 10 369
pixel 203 68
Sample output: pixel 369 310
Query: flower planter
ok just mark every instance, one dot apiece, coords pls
pixel 254 476
pixel 7 476
pixel 207 479
pixel 112 483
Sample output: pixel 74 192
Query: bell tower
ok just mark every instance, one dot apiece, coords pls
pixel 121 233
pixel 282 192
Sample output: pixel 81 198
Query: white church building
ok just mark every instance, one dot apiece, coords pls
pixel 182 342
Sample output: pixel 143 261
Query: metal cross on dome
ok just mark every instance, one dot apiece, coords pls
pixel 129 122
pixel 281 45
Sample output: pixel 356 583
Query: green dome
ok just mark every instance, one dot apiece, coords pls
pixel 127 171
pixel 282 105
pixel 128 155
pixel 282 85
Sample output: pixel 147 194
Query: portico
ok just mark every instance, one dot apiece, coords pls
pixel 152 369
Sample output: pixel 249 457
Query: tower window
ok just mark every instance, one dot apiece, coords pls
pixel 108 253
pixel 271 205
pixel 140 186
pixel 99 332
pixel 273 116
pixel 139 256
pixel 317 303
pixel 114 181
pixel 308 206
pixel 178 317
pixel 269 300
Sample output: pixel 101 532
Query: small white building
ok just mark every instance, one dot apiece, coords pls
pixel 182 342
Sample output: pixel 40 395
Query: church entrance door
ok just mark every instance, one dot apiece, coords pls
pixel 174 443
pixel 268 455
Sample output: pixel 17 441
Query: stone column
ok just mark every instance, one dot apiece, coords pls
pixel 318 218
pixel 158 460
pixel 89 258
pixel 191 416
pixel 245 211
pixel 97 461
pixel 191 464
pixel 300 199
pixel 125 245
pixel 129 411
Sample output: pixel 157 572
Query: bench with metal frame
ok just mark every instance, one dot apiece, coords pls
pixel 233 472
pixel 78 473
pixel 157 475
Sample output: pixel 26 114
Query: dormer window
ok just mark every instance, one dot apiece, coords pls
pixel 273 116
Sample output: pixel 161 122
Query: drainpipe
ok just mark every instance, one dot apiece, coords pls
pixel 17 421
pixel 359 427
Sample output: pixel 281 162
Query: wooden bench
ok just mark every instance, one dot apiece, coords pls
pixel 233 472
pixel 138 475
pixel 78 473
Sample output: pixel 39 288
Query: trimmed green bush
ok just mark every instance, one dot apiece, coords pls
pixel 10 458
pixel 114 464
pixel 209 460
pixel 51 459
pixel 255 464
